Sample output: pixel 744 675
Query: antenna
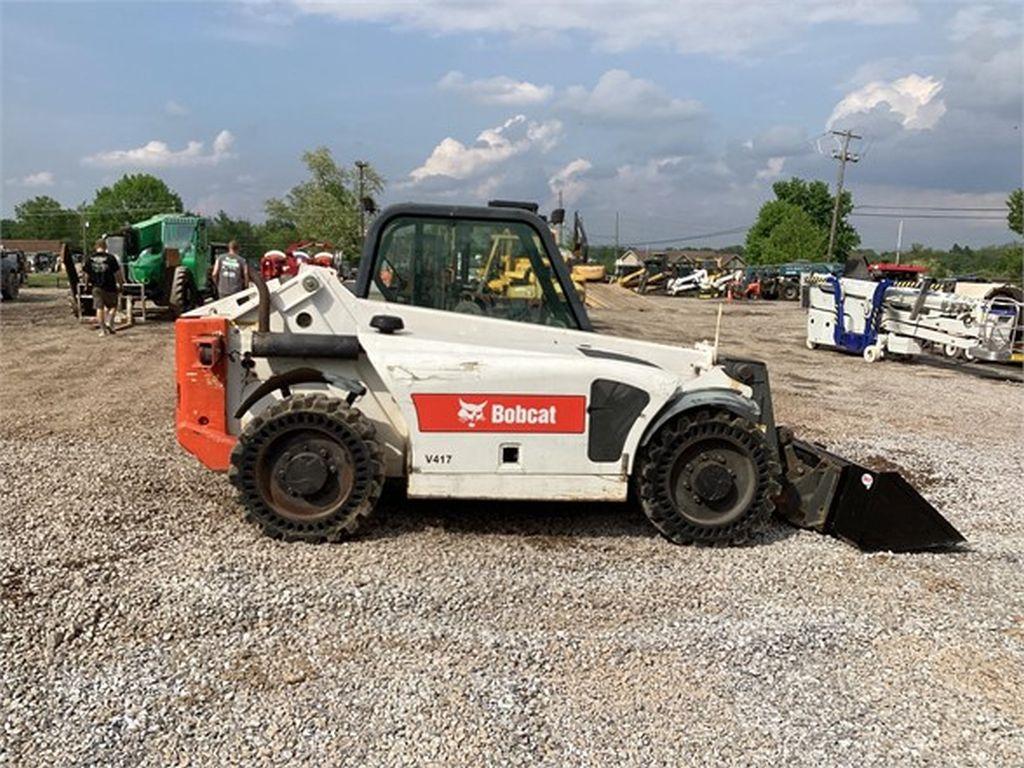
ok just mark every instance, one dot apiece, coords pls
pixel 718 329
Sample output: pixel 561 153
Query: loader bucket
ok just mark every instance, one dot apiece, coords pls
pixel 876 511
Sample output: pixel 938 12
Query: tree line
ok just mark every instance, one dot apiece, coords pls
pixel 328 207
pixel 331 203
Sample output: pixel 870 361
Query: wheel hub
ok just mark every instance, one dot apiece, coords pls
pixel 712 482
pixel 305 474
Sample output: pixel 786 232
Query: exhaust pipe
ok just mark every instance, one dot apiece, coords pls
pixel 875 511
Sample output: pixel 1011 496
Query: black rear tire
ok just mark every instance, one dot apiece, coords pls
pixel 12 286
pixel 708 478
pixel 790 292
pixel 309 468
pixel 184 295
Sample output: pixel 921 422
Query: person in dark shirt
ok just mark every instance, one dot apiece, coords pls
pixel 230 272
pixel 103 275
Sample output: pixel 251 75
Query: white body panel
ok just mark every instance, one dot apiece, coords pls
pixel 984 328
pixel 475 358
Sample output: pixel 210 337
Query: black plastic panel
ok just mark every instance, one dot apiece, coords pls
pixel 614 407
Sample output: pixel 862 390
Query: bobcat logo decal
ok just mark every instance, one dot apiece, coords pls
pixel 470 413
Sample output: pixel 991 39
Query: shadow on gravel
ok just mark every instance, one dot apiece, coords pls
pixel 546 525
pixel 561 521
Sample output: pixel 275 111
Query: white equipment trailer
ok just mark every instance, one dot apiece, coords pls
pixel 876 318
pixel 699 281
pixel 310 395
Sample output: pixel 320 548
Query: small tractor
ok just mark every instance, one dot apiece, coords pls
pixel 309 395
pixel 170 256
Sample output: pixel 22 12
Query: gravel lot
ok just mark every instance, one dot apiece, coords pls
pixel 141 621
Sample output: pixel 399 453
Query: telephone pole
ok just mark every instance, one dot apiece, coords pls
pixel 616 234
pixel 844 156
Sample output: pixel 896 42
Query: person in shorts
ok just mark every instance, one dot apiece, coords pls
pixel 103 275
pixel 230 272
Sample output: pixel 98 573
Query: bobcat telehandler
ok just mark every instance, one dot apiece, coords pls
pixel 310 394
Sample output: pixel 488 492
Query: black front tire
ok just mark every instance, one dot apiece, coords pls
pixel 309 468
pixel 708 477
pixel 183 295
pixel 12 286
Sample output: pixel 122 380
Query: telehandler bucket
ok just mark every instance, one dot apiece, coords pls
pixel 876 511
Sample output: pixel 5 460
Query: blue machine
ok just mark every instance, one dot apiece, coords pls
pixel 851 341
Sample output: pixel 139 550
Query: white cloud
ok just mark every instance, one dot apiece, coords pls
pixel 688 26
pixel 175 108
pixel 496 90
pixel 982 20
pixel 40 179
pixel 772 169
pixel 157 154
pixel 568 180
pixel 620 97
pixel 914 101
pixel 455 160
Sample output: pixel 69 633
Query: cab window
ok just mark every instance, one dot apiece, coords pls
pixel 478 267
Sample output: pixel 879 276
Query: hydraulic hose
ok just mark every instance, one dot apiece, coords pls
pixel 263 319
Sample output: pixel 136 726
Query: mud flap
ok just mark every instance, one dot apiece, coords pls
pixel 876 511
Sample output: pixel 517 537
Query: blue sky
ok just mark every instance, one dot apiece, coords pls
pixel 678 115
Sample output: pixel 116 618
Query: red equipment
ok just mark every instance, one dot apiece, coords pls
pixel 278 265
pixel 898 272
pixel 284 264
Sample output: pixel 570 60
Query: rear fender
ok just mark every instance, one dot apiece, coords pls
pixel 283 382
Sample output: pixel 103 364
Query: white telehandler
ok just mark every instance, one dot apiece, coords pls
pixel 310 394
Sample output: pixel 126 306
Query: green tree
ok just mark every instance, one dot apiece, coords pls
pixel 44 218
pixel 222 229
pixel 133 198
pixel 816 200
pixel 784 232
pixel 781 225
pixel 1015 211
pixel 326 207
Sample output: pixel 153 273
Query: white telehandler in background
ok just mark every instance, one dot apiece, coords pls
pixel 310 395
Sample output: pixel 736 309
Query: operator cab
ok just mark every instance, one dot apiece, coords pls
pixel 499 262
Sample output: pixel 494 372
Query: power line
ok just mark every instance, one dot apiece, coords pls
pixel 925 208
pixel 969 216
pixel 91 211
pixel 687 238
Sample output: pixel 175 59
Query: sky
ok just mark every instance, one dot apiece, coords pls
pixel 677 116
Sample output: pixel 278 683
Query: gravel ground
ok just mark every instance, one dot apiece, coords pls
pixel 142 622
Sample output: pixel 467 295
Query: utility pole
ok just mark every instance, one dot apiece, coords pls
pixel 361 165
pixel 843 156
pixel 899 241
pixel 616 234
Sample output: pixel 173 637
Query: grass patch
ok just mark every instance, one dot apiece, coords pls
pixel 47 280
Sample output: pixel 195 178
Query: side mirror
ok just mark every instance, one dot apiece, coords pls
pixel 387 324
pixel 557 216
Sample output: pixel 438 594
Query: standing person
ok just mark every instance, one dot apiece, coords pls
pixel 230 272
pixel 103 275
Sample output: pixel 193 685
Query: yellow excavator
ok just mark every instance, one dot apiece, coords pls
pixel 507 272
